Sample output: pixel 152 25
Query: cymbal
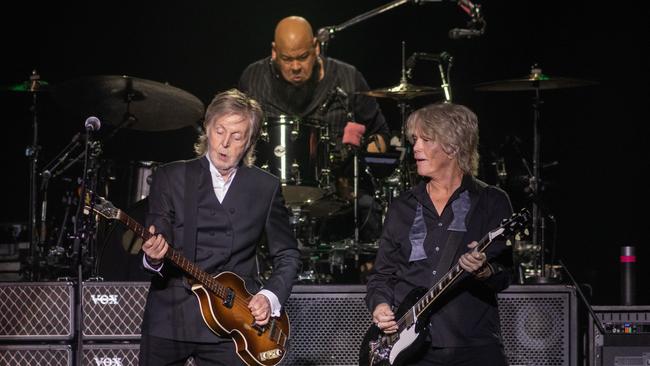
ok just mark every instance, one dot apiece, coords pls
pixel 534 81
pixel 128 102
pixel 403 91
pixel 31 86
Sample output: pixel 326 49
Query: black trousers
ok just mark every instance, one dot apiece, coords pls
pixel 155 351
pixel 492 355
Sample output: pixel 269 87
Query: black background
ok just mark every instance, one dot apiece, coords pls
pixel 598 135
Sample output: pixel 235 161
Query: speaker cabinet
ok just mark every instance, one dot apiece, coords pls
pixel 28 355
pixel 539 324
pixel 327 325
pixel 114 354
pixel 36 311
pixel 113 310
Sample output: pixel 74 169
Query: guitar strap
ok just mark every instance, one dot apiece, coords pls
pixel 455 237
pixel 448 253
pixel 191 198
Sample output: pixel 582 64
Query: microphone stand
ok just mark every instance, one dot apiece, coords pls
pixel 83 227
pixel 46 174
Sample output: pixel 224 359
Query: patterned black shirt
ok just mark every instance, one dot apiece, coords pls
pixel 258 80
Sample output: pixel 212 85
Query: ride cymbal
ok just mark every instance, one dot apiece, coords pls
pixel 535 81
pixel 128 102
pixel 403 91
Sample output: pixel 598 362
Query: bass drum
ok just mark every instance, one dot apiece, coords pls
pixel 296 151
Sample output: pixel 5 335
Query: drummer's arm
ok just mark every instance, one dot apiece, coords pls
pixel 377 144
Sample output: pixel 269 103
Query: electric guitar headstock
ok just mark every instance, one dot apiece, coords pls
pixel 514 225
pixel 102 206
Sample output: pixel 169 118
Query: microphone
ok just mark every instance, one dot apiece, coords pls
pixel 342 96
pixel 324 34
pixel 92 123
pixel 330 98
pixel 458 33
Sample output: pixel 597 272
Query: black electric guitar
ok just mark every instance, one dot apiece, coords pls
pixel 413 313
pixel 223 301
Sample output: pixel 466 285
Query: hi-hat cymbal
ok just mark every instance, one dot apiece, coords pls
pixel 31 86
pixel 403 91
pixel 534 81
pixel 128 102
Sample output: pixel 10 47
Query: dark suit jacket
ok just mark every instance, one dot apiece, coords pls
pixel 227 235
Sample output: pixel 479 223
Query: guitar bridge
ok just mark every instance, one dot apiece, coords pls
pixel 229 299
pixel 271 354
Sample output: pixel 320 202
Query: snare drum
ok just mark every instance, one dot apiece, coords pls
pixel 295 150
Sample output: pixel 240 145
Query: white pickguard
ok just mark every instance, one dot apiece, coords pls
pixel 406 338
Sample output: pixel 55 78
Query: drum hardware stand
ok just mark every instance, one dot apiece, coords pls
pixel 442 59
pixel 356 197
pixel 444 78
pixel 404 167
pixel 128 118
pixel 32 152
pixel 325 180
pixel 535 185
pixel 345 101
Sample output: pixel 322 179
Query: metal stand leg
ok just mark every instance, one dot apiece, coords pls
pixel 32 153
pixel 536 183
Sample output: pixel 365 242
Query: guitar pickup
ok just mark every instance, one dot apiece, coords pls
pixel 229 299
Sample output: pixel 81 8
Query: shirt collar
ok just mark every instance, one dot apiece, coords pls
pixel 215 172
pixel 468 183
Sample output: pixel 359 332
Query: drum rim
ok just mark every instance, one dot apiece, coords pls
pixel 285 119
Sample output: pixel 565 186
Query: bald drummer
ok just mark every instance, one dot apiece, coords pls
pixel 297 81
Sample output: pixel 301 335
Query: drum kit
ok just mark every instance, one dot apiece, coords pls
pixel 296 150
pixel 327 213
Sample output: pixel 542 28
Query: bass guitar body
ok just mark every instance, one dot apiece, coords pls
pixel 231 317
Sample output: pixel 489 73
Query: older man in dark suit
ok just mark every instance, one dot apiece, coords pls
pixel 215 210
